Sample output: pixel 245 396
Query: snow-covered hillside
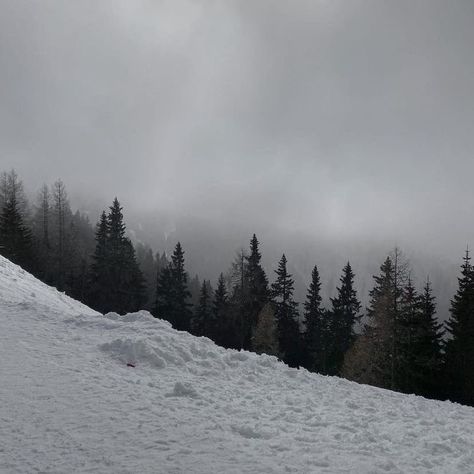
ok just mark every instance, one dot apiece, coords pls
pixel 81 392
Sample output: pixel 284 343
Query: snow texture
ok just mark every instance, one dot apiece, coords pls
pixel 82 392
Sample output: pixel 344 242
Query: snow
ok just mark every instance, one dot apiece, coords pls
pixel 82 392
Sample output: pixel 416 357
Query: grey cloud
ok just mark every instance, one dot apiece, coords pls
pixel 318 117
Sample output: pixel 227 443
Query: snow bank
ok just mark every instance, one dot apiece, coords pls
pixel 82 392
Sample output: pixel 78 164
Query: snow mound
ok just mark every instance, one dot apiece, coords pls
pixel 82 392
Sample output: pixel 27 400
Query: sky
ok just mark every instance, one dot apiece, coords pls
pixel 332 119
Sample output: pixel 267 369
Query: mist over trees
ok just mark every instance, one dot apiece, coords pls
pixel 397 342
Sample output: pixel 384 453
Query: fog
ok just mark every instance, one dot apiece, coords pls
pixel 332 129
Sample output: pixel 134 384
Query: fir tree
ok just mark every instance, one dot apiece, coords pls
pixel 164 301
pixel 149 267
pixel 257 290
pixel 99 273
pixel 15 237
pixel 427 346
pixel 117 283
pixel 460 347
pixel 316 335
pixel 203 317
pixel 41 234
pixel 172 296
pixel 238 319
pixel 220 310
pixel 344 315
pixel 371 359
pixel 286 312
pixel 407 370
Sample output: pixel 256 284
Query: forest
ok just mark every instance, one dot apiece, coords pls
pixel 396 343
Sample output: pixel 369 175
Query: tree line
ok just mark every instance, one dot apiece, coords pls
pixel 397 343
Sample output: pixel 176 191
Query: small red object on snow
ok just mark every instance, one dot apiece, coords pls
pixel 130 365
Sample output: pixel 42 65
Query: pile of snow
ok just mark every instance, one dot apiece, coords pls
pixel 81 392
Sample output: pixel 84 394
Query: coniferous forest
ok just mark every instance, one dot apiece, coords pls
pixel 396 343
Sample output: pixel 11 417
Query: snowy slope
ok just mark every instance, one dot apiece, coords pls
pixel 70 403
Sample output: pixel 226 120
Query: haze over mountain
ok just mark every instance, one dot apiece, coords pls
pixel 329 128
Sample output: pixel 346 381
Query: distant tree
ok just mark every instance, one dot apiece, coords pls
pixel 265 337
pixel 194 287
pixel 343 318
pixel 117 283
pixel 41 234
pixel 98 296
pixel 257 290
pixel 238 318
pixel 375 356
pixel 317 326
pixel 202 322
pixel 15 237
pixel 460 347
pixel 172 296
pixel 164 301
pixel 286 312
pixel 407 376
pixel 420 345
pixel 221 317
pixel 150 266
pixel 12 185
pixel 61 216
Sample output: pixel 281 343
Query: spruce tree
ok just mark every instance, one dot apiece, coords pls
pixel 117 283
pixel 371 360
pixel 427 346
pixel 286 312
pixel 220 311
pixel 149 267
pixel 344 315
pixel 100 271
pixel 238 318
pixel 407 376
pixel 15 237
pixel 164 301
pixel 316 335
pixel 41 234
pixel 172 295
pixel 202 321
pixel 460 347
pixel 257 290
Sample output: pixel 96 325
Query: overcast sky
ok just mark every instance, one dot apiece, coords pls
pixel 325 117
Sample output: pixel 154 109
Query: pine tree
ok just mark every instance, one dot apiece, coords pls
pixel 164 301
pixel 265 337
pixel 460 348
pixel 286 312
pixel 407 376
pixel 220 311
pixel 344 316
pixel 117 283
pixel 41 234
pixel 172 296
pixel 202 323
pixel 316 335
pixel 238 319
pixel 15 237
pixel 427 346
pixel 371 360
pixel 257 290
pixel 149 267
